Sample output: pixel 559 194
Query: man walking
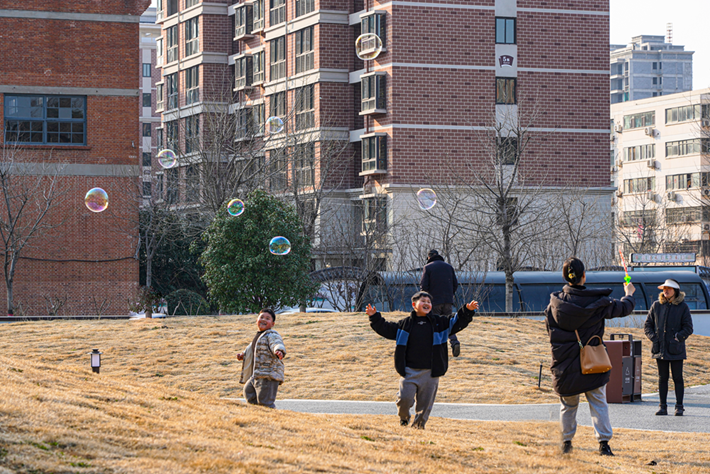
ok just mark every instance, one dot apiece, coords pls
pixel 439 280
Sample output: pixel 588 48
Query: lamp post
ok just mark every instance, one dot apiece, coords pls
pixel 95 360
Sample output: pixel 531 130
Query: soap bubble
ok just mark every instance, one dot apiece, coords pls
pixel 368 46
pixel 279 246
pixel 235 207
pixel 96 200
pixel 426 198
pixel 274 125
pixel 167 158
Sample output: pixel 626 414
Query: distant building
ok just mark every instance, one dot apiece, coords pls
pixel 649 67
pixel 149 119
pixel 660 150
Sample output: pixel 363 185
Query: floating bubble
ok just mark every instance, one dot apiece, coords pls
pixel 235 207
pixel 167 158
pixel 426 198
pixel 279 246
pixel 96 200
pixel 368 46
pixel 274 125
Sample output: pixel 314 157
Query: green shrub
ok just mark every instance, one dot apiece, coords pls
pixel 186 302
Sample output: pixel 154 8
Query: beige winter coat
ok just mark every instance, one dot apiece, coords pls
pixel 266 364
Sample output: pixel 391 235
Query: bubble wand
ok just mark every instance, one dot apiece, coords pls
pixel 627 278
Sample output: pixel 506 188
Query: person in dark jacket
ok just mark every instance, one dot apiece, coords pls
pixel 577 308
pixel 439 280
pixel 420 356
pixel 668 325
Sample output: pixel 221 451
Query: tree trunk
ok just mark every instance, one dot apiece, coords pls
pixel 148 270
pixel 10 307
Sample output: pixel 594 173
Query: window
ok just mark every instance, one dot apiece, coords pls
pixel 655 66
pixel 192 40
pixel 158 10
pixel 43 119
pixel 305 107
pixel 159 185
pixel 505 90
pixel 171 35
pixel 192 85
pixel 258 67
pixel 244 123
pixel 639 185
pixel 373 92
pixel 191 3
pixel 643 119
pixel 171 135
pixel 147 159
pixel 681 215
pixel 278 168
pixel 159 52
pixel 160 98
pixel 374 215
pixel 257 16
pixel 242 72
pixel 687 147
pixel 277 12
pixel 147 188
pixel 242 21
pixel 374 153
pixel 304 169
pixel 374 23
pixel 192 183
pixel 303 7
pixel 304 49
pixel 278 58
pixel 147 99
pixel 640 152
pixel 159 138
pixel 146 129
pixel 507 150
pixel 684 114
pixel 258 118
pixel 172 7
pixel 686 181
pixel 644 218
pixel 172 185
pixel 278 104
pixel 171 86
pixel 192 133
pixel 505 31
pixel 146 69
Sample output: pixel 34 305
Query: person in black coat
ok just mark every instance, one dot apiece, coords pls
pixel 578 310
pixel 668 325
pixel 439 280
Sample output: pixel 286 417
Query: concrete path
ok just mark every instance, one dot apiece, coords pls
pixel 637 415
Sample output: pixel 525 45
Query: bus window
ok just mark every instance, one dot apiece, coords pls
pixel 694 296
pixel 617 292
pixel 492 299
pixel 377 297
pixel 400 297
pixel 537 297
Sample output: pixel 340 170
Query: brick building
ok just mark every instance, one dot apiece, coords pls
pixel 68 98
pixel 447 71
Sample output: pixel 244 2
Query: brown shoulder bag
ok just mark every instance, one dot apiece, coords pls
pixel 594 359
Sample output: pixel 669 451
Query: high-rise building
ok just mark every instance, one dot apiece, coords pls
pixel 447 71
pixel 149 119
pixel 68 99
pixel 649 67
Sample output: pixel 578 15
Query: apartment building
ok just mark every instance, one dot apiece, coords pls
pixel 150 122
pixel 68 99
pixel 411 115
pixel 649 66
pixel 660 150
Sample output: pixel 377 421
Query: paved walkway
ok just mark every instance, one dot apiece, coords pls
pixel 637 415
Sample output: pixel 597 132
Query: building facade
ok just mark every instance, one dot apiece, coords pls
pixel 68 114
pixel 149 120
pixel 660 151
pixel 413 116
pixel 649 67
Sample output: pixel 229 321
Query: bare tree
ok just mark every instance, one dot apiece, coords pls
pixel 30 191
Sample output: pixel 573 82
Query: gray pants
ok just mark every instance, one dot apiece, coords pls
pixel 597 407
pixel 445 310
pixel 261 391
pixel 421 385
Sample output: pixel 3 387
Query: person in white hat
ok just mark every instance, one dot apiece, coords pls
pixel 668 325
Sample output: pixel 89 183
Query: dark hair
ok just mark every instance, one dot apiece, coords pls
pixel 420 294
pixel 270 311
pixel 432 253
pixel 573 270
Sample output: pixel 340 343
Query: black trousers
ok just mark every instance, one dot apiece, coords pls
pixel 664 369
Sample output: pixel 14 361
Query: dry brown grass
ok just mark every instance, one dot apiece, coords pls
pixel 155 407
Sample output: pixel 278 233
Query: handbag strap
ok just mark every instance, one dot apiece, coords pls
pixel 579 341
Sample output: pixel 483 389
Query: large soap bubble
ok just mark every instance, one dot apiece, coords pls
pixel 235 207
pixel 274 125
pixel 96 200
pixel 279 246
pixel 426 198
pixel 368 46
pixel 167 158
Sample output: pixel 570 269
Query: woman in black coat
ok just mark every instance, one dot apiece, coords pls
pixel 577 309
pixel 668 325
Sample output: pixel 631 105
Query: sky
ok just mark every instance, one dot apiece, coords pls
pixel 649 17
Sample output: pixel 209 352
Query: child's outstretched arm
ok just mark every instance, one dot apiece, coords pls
pixel 463 317
pixel 276 344
pixel 380 325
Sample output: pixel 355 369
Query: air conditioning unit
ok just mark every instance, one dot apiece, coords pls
pixel 671 195
pixel 650 195
pixel 649 131
pixel 705 192
pixel 619 163
pixel 619 128
pixel 620 194
pixel 614 169
pixel 651 164
pixel 705 122
pixel 706 227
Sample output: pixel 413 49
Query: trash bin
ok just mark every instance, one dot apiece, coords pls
pixel 625 376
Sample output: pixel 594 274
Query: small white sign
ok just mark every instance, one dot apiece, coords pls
pixel 663 257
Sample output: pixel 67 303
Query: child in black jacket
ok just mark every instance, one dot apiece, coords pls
pixel 421 356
